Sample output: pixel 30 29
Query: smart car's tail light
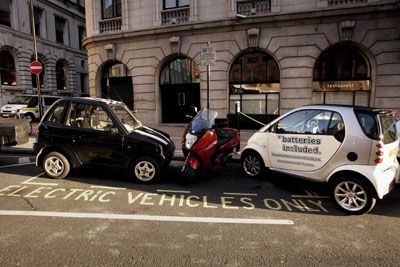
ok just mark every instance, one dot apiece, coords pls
pixel 379 153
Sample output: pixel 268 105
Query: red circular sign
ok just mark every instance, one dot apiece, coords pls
pixel 36 67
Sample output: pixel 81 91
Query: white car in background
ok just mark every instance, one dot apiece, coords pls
pixel 12 108
pixel 353 149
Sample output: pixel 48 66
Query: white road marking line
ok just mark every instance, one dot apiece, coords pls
pixel 29 181
pixel 309 194
pixel 172 191
pixel 240 194
pixel 16 165
pixel 145 217
pixel 107 187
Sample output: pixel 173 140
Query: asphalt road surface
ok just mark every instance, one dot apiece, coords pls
pixel 98 217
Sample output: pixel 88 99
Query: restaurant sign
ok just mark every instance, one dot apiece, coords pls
pixel 338 86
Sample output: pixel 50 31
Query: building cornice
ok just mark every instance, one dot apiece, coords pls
pixel 269 21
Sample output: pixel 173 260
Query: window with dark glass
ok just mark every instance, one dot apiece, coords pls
pixel 41 75
pixel 61 74
pixel 5 12
pixel 254 84
pixel 37 13
pixel 341 75
pixel 81 35
pixel 60 29
pixel 111 9
pixel 7 69
pixel 178 71
pixel 341 63
pixel 175 3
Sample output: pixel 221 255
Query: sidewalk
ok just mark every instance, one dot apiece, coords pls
pixel 175 131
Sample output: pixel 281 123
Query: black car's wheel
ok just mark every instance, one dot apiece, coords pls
pixel 252 164
pixel 56 165
pixel 145 170
pixel 353 195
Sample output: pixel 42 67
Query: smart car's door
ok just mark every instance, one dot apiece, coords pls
pixel 305 140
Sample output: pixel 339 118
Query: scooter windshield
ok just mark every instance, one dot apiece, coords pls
pixel 204 120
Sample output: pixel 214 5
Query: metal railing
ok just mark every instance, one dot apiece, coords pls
pixel 175 16
pixel 345 2
pixel 253 7
pixel 110 25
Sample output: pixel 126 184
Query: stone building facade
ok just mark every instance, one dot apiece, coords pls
pixel 60 29
pixel 270 55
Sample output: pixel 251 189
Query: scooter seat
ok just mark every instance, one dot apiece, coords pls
pixel 224 135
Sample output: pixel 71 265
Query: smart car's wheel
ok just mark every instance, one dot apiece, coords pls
pixel 252 164
pixel 145 169
pixel 353 195
pixel 56 165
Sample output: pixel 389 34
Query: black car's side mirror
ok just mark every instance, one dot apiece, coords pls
pixel 114 130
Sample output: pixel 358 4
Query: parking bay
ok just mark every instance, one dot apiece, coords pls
pixel 220 197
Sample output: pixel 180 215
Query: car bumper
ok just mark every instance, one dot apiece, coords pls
pixel 8 114
pixel 386 180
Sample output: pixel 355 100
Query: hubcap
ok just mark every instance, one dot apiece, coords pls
pixel 350 196
pixel 54 166
pixel 252 165
pixel 145 171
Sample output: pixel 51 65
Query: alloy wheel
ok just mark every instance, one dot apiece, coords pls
pixel 350 196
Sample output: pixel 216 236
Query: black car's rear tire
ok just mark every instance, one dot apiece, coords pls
pixel 56 165
pixel 353 195
pixel 145 170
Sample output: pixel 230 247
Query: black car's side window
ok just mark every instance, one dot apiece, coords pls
pixel 57 114
pixel 76 115
pixel 89 117
pixel 99 119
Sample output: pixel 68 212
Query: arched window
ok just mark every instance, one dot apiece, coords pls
pixel 341 63
pixel 41 75
pixel 61 75
pixel 341 75
pixel 178 71
pixel 7 69
pixel 254 84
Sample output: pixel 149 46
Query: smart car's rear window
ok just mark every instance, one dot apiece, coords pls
pixel 388 128
pixel 377 124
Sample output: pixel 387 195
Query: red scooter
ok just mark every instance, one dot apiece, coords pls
pixel 205 146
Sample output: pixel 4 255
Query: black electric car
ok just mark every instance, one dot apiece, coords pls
pixel 94 132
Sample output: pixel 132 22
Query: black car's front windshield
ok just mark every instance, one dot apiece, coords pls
pixel 126 117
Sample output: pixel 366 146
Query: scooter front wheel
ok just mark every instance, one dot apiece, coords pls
pixel 188 175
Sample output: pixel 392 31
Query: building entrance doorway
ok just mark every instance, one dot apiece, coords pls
pixel 179 102
pixel 180 91
pixel 116 84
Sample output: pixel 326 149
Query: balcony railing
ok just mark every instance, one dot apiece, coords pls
pixel 345 2
pixel 176 15
pixel 253 7
pixel 110 25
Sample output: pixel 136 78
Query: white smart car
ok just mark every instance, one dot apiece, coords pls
pixel 352 148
